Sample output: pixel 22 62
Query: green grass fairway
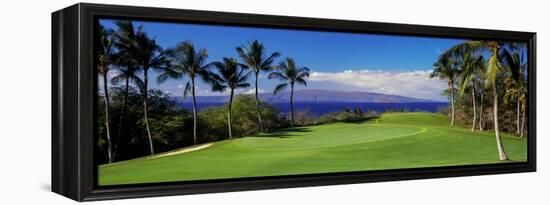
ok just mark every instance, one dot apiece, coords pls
pixel 401 140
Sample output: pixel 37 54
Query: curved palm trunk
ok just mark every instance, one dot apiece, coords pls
pixel 481 113
pixel 145 110
pixel 121 118
pixel 474 106
pixel 522 123
pixel 260 125
pixel 106 98
pixel 501 152
pixel 229 114
pixel 517 118
pixel 451 86
pixel 291 104
pixel 194 111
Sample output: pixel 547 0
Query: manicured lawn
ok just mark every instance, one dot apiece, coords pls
pixel 401 140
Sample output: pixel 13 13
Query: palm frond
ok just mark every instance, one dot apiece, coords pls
pixel 242 85
pixel 242 77
pixel 464 81
pixel 266 64
pixel 217 87
pixel 277 75
pixel 187 89
pixel 253 55
pixel 134 79
pixel 301 81
pixel 492 70
pixel 279 88
pixel 169 73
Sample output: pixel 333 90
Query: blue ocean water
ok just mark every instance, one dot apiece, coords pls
pixel 327 107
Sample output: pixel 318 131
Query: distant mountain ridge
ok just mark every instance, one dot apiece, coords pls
pixel 319 96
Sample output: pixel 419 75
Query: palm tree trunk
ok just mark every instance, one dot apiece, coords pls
pixel 481 113
pixel 229 113
pixel 474 106
pixel 500 147
pixel 194 111
pixel 106 98
pixel 260 125
pixel 522 124
pixel 121 118
pixel 452 102
pixel 291 105
pixel 145 110
pixel 517 118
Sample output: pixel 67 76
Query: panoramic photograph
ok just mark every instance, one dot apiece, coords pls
pixel 181 102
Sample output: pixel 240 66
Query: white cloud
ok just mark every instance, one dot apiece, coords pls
pixel 209 92
pixel 417 84
pixel 253 91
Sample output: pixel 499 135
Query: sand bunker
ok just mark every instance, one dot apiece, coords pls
pixel 181 151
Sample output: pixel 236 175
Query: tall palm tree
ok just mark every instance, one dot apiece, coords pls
pixel 494 69
pixel 444 68
pixel 523 101
pixel 105 60
pixel 481 76
pixel 232 75
pixel 515 82
pixel 471 66
pixel 127 68
pixel 523 98
pixel 186 61
pixel 513 92
pixel 255 57
pixel 289 72
pixel 148 55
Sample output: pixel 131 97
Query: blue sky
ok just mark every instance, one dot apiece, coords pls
pixel 341 61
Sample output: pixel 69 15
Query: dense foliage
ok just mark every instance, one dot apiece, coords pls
pixel 507 112
pixel 172 127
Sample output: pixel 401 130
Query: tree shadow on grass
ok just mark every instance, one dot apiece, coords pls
pixel 360 120
pixel 286 132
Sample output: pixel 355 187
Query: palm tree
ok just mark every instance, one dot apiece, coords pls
pixel 187 61
pixel 513 91
pixel 523 101
pixel 148 55
pixel 494 69
pixel 105 59
pixel 514 83
pixel 481 76
pixel 470 67
pixel 255 57
pixel 444 68
pixel 127 68
pixel 232 75
pixel 289 72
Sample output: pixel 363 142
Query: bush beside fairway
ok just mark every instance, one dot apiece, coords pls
pixel 396 140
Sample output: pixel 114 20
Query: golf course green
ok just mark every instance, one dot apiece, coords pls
pixel 396 140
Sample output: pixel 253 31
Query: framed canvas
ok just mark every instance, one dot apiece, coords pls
pixel 156 102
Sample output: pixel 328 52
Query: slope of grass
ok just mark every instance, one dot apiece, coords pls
pixel 399 140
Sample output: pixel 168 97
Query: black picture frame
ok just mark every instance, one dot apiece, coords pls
pixel 74 94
